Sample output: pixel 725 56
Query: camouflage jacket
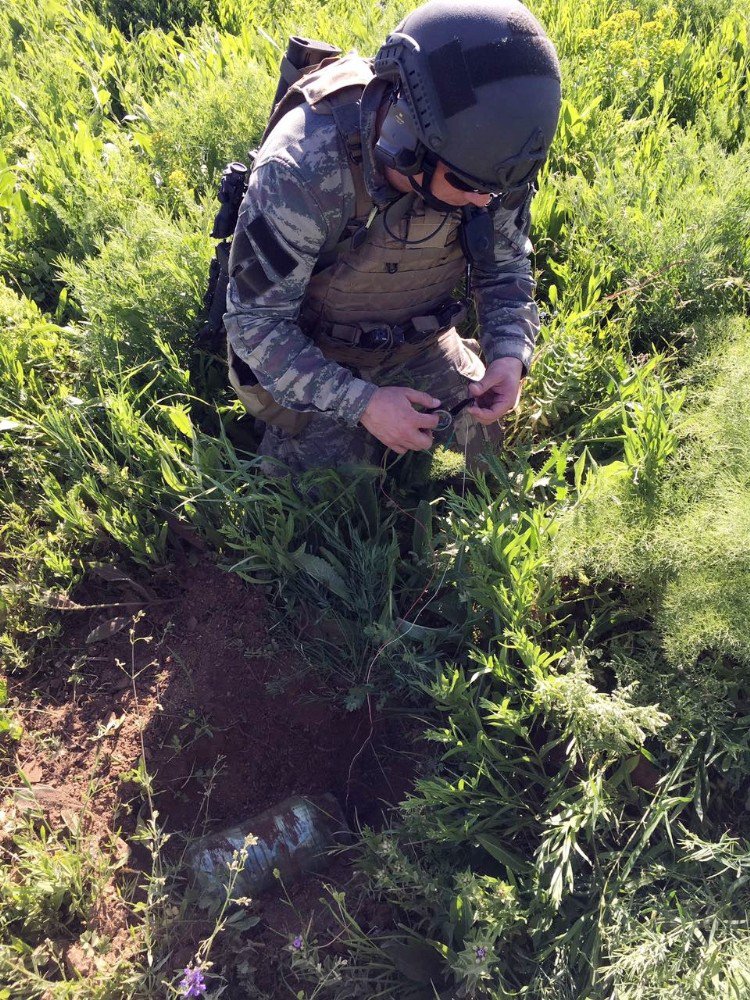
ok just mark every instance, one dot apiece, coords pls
pixel 302 188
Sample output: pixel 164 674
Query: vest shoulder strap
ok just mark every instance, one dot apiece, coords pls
pixel 345 111
pixel 334 87
pixel 333 76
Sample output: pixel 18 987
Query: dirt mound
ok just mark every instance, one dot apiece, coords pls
pixel 230 720
pixel 239 711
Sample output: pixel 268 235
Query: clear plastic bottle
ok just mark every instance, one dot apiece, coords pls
pixel 294 837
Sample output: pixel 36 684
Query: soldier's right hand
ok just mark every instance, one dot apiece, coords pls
pixel 391 418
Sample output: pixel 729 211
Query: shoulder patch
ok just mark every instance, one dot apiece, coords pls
pixel 245 268
pixel 270 246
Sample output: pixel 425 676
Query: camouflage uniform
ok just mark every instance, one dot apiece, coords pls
pixel 303 193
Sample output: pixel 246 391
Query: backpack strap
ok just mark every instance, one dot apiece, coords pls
pixel 345 108
pixel 334 86
pixel 336 89
pixel 294 96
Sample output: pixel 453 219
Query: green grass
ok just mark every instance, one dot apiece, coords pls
pixel 577 610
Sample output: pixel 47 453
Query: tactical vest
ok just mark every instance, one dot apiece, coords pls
pixel 375 279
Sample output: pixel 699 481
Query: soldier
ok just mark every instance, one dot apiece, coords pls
pixel 379 185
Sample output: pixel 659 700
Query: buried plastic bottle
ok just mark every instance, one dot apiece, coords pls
pixel 294 838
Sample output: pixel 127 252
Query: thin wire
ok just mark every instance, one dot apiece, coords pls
pixel 385 645
pixel 411 243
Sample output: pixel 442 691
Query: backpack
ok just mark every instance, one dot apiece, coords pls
pixel 302 56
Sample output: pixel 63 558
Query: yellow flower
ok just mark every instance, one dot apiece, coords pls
pixel 621 50
pixel 589 37
pixel 670 48
pixel 630 18
pixel 622 23
pixel 178 178
pixel 666 16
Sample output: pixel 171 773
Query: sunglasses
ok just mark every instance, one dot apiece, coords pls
pixel 461 185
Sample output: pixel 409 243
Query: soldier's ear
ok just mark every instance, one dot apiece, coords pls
pixel 514 199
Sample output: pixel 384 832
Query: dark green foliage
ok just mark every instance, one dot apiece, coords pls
pixel 572 626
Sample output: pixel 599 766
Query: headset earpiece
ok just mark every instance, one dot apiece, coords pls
pixel 397 146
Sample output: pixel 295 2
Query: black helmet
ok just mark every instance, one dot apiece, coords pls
pixel 476 84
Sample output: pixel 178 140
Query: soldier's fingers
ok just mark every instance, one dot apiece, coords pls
pixel 428 421
pixel 421 398
pixel 482 419
pixel 421 441
pixel 488 415
pixel 478 388
pixel 485 399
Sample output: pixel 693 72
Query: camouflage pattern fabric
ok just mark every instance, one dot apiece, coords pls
pixel 444 370
pixel 302 190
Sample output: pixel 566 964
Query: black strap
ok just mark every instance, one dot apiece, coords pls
pixel 288 72
pixel 346 119
pixel 419 330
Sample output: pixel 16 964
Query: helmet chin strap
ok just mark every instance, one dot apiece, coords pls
pixel 424 189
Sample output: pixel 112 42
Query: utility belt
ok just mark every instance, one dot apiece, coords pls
pixel 365 344
pixel 358 346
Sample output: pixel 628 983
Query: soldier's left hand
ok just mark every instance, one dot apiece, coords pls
pixel 500 390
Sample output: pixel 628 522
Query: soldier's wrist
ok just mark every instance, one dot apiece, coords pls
pixel 355 401
pixel 499 350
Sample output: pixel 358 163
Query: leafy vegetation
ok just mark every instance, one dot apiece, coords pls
pixel 572 622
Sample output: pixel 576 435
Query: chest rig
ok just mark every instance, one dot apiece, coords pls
pixel 386 287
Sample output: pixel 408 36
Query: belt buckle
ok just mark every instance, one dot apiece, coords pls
pixel 378 338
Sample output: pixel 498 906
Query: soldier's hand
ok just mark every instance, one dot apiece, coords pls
pixel 500 389
pixel 391 418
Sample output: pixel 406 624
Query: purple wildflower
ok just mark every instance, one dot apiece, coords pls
pixel 481 954
pixel 193 985
pixel 297 943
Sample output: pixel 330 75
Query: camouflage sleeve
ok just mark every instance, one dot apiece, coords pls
pixel 508 317
pixel 281 229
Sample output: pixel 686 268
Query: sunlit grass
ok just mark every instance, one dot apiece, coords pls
pixel 573 614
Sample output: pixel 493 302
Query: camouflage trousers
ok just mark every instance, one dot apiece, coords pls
pixel 443 369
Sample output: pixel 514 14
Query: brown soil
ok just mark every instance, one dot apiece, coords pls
pixel 231 722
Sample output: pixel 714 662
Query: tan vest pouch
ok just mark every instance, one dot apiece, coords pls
pixel 260 403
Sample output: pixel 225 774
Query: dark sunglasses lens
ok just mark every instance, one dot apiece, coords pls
pixel 455 181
